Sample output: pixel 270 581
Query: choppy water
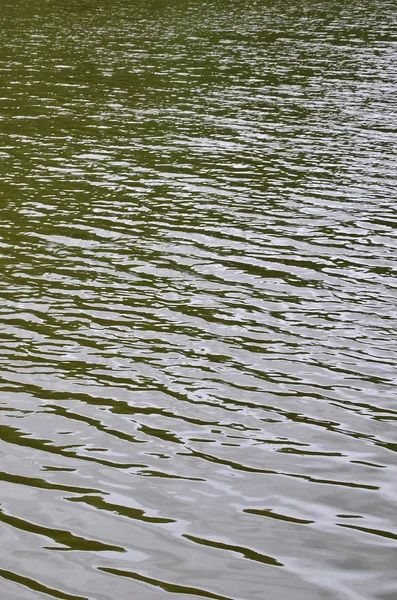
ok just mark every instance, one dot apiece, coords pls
pixel 198 307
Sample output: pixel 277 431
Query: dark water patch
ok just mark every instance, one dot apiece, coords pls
pixel 273 515
pixel 167 587
pixel 125 511
pixel 67 539
pixel 246 552
pixel 37 586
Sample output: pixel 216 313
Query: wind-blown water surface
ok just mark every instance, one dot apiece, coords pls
pixel 198 307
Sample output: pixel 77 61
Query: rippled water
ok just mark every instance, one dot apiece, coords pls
pixel 198 308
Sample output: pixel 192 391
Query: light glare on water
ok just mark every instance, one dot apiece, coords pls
pixel 198 301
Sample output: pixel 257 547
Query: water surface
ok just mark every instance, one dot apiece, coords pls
pixel 198 306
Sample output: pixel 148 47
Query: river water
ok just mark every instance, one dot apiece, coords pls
pixel 198 309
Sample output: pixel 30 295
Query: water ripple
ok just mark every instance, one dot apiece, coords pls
pixel 198 301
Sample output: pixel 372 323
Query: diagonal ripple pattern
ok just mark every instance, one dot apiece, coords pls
pixel 198 300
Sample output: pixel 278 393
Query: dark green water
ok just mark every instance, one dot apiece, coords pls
pixel 198 307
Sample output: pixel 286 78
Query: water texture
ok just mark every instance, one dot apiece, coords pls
pixel 198 306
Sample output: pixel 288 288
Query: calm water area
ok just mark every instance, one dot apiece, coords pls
pixel 198 347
